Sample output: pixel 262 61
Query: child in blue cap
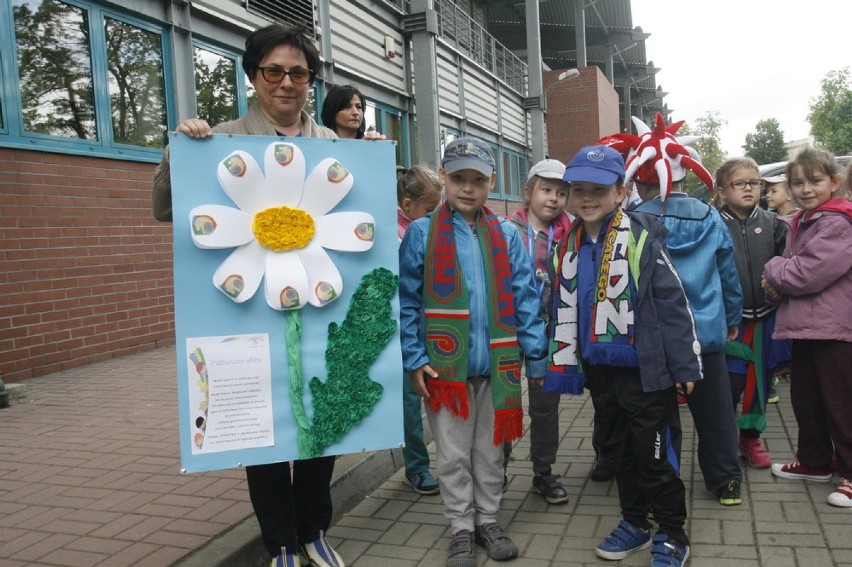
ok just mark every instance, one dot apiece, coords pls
pixel 621 327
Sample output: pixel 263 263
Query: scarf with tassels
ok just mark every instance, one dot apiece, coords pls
pixel 610 332
pixel 750 347
pixel 447 314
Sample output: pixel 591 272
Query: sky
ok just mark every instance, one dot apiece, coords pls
pixel 748 60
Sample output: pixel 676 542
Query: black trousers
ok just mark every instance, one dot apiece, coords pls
pixel 291 510
pixel 636 431
pixel 821 394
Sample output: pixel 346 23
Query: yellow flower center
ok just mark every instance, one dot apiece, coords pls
pixel 283 228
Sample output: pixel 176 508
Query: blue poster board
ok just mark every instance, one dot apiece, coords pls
pixel 231 196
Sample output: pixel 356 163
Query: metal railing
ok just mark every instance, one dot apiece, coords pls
pixel 456 26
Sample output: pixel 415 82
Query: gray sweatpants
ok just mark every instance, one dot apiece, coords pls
pixel 469 465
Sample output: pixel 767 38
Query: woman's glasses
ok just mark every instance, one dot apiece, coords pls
pixel 298 75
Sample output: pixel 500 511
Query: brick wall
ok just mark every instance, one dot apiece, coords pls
pixel 85 271
pixel 579 111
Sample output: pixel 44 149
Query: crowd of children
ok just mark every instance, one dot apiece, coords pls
pixel 673 296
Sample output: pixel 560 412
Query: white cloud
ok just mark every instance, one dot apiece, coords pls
pixel 747 59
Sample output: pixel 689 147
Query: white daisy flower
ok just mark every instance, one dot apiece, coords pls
pixel 281 228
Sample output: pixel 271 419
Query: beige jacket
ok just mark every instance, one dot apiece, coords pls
pixel 253 123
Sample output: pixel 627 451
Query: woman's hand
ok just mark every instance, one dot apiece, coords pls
pixel 373 135
pixel 195 128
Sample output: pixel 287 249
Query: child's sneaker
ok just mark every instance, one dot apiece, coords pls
pixel 497 544
pixel 422 483
pixel 286 559
pixel 668 552
pixel 729 495
pixel 600 473
pixel 548 485
pixel 321 554
pixel 773 394
pixel 624 540
pixel 798 471
pixel 842 495
pixel 461 550
pixel 752 450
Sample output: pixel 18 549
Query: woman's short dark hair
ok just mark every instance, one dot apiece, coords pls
pixel 336 100
pixel 264 40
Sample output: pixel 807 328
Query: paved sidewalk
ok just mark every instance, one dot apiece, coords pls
pixel 89 476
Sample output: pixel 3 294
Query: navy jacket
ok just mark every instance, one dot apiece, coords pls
pixel 666 338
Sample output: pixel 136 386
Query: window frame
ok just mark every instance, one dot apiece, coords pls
pixel 12 133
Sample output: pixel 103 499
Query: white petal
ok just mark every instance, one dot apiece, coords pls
pixel 286 281
pixel 284 165
pixel 240 274
pixel 218 226
pixel 327 185
pixel 350 231
pixel 324 281
pixel 243 181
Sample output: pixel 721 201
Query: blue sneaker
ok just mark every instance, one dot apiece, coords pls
pixel 422 483
pixel 668 552
pixel 624 540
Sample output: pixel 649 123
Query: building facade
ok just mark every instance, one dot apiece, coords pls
pixel 89 89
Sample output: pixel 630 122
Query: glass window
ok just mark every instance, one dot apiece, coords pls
pixel 393 131
pixel 251 94
pixel 505 174
pixel 215 86
pixel 137 89
pixel 55 69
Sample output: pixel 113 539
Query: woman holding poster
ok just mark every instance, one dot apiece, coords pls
pixel 293 506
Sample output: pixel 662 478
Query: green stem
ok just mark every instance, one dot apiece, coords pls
pixel 293 337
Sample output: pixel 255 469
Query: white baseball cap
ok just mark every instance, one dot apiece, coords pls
pixel 547 168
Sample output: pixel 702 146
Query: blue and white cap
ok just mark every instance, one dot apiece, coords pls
pixel 600 165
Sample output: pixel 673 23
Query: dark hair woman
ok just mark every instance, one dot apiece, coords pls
pixel 343 111
pixel 293 511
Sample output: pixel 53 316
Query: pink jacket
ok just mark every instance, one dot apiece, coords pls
pixel 815 276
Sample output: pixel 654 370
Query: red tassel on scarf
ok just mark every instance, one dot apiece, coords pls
pixel 451 395
pixel 508 425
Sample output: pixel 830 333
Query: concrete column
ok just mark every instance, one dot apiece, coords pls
pixel 538 143
pixel 580 32
pixel 424 29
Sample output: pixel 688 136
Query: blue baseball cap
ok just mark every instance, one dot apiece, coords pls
pixel 600 165
pixel 468 153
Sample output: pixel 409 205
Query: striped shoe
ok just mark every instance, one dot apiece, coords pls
pixel 321 553
pixel 286 559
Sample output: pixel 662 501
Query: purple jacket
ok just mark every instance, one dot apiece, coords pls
pixel 815 276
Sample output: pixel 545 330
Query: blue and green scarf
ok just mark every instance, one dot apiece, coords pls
pixel 447 315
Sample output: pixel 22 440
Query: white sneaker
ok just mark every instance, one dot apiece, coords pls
pixel 842 495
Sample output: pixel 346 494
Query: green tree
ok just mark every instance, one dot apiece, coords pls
pixel 709 147
pixel 766 143
pixel 831 111
pixel 54 64
pixel 136 84
pixel 216 88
